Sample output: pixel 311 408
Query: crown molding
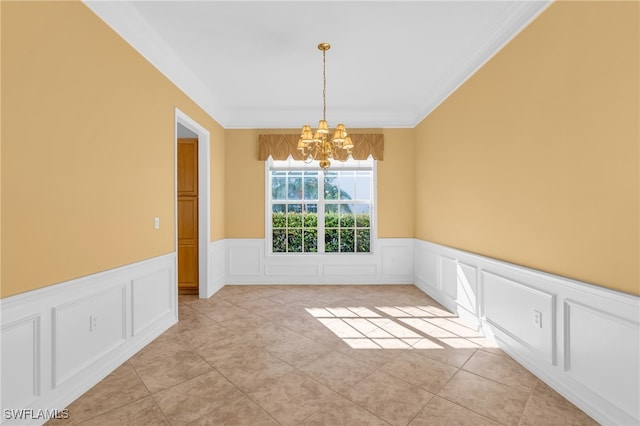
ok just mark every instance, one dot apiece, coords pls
pixel 127 22
pixel 272 119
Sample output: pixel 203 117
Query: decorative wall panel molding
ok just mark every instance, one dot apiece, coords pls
pixel 522 313
pixel 245 258
pixel 248 263
pixel 85 329
pixel 291 270
pixel 21 378
pixel 217 267
pixel 592 335
pixel 582 340
pixel 459 285
pixel 152 297
pixel 59 341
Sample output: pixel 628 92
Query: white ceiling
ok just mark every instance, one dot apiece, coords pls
pixel 256 64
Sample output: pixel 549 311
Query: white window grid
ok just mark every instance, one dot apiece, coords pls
pixel 293 165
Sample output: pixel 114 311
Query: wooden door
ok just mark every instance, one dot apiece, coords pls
pixel 188 216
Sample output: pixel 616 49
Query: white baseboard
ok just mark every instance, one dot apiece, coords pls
pixel 586 344
pixel 248 263
pixel 52 351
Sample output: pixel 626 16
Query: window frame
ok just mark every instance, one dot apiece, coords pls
pixel 293 165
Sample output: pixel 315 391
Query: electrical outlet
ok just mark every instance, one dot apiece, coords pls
pixel 93 322
pixel 156 223
pixel 537 318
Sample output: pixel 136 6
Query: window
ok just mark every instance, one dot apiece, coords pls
pixel 311 211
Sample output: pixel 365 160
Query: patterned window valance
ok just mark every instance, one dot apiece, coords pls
pixel 279 147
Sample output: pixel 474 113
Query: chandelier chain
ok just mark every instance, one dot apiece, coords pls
pixel 324 85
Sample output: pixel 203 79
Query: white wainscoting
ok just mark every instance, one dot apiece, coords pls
pixel 390 263
pixel 59 341
pixel 582 340
pixel 217 268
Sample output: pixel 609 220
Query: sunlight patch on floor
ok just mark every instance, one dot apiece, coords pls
pixel 398 327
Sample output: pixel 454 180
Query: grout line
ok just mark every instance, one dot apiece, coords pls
pixel 491 380
pixel 339 393
pixel 528 400
pixel 114 408
pixel 472 410
pixel 497 382
pixel 422 408
pixel 150 394
pixel 467 361
pixel 243 393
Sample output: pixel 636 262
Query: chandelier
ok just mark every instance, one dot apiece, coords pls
pixel 319 146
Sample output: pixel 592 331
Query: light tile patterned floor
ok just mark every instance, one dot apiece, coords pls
pixel 321 355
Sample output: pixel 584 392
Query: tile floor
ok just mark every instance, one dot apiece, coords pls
pixel 321 355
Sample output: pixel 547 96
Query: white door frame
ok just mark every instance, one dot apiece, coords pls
pixel 204 202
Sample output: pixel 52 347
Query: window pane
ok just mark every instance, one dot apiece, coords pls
pixel 363 185
pixel 311 208
pixel 294 189
pixel 278 188
pixel 346 216
pixel 362 216
pixel 279 220
pixel 310 240
pixel 294 215
pixel 331 208
pixel 294 239
pixel 279 241
pixel 347 208
pixel 310 220
pixel 347 243
pixel 278 217
pixel 331 215
pixel 331 185
pixel 363 241
pixel 347 185
pixel 331 241
pixel 311 185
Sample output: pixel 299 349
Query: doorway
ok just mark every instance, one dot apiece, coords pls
pixel 192 204
pixel 187 211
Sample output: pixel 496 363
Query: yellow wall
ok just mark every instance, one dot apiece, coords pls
pixel 244 197
pixel 87 148
pixel 535 160
pixel 396 185
pixel 246 185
